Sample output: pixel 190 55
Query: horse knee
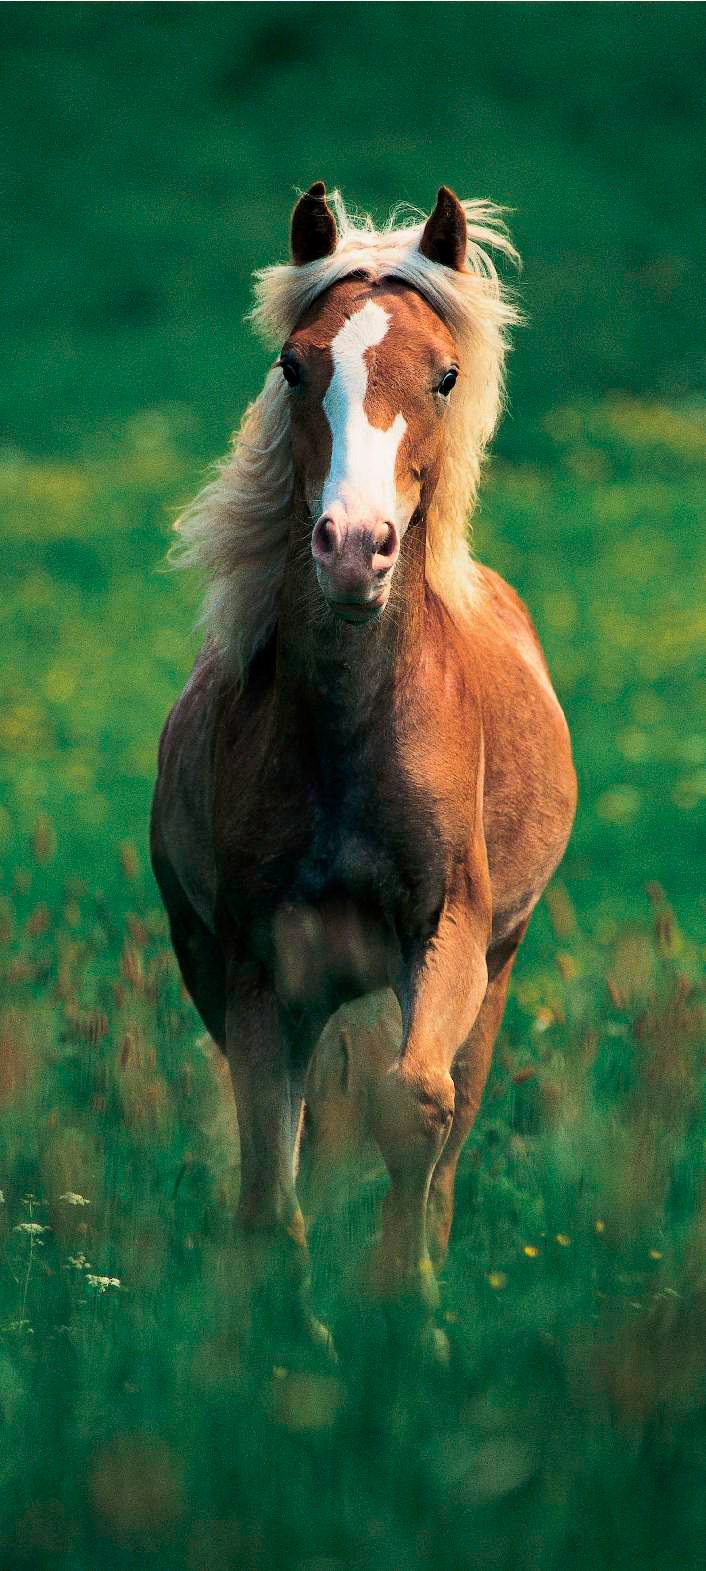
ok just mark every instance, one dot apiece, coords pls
pixel 417 1112
pixel 433 1095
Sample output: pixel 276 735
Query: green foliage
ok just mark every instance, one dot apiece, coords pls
pixel 151 154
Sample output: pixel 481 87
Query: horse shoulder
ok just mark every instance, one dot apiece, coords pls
pixel 530 783
pixel 444 720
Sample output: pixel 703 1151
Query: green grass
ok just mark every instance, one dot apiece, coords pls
pixel 150 156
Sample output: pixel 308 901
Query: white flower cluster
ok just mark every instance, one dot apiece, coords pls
pixel 102 1283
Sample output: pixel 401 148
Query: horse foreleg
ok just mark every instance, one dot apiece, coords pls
pixel 268 1083
pixel 413 1109
pixel 469 1074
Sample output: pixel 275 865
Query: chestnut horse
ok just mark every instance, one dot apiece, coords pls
pixel 367 781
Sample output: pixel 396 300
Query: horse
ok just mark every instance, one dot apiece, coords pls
pixel 367 781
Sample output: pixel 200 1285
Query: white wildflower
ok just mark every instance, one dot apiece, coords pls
pixel 102 1283
pixel 74 1200
pixel 33 1228
pixel 79 1262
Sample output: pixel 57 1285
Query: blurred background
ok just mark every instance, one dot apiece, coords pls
pixel 151 155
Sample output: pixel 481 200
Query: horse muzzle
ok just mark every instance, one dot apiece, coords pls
pixel 354 564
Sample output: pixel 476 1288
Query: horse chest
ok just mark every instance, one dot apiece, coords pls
pixel 373 843
pixel 308 836
pixel 359 904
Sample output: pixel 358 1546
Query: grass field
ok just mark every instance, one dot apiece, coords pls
pixel 568 1432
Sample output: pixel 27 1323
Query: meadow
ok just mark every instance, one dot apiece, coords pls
pixel 568 1430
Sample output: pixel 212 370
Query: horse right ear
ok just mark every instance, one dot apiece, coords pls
pixel 313 232
pixel 445 237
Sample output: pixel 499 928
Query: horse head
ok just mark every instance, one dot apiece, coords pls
pixel 371 370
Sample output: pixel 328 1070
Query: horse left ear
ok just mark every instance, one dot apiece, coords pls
pixel 445 237
pixel 313 232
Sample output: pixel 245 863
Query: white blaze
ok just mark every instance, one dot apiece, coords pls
pixel 362 473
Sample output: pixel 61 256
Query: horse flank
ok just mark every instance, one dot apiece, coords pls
pixel 236 530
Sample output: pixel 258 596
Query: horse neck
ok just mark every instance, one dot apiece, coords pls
pixel 340 674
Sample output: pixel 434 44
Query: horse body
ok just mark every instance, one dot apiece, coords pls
pixel 377 801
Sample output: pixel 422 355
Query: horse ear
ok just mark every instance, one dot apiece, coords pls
pixel 313 232
pixel 445 236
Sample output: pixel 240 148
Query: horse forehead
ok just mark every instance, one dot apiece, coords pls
pixel 411 319
pixel 364 329
pixel 389 318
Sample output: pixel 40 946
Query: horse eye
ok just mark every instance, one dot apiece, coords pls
pixel 447 382
pixel 290 372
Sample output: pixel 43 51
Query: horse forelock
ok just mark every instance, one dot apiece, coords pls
pixel 237 529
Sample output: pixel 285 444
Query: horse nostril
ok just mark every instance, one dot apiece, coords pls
pixel 388 546
pixel 324 538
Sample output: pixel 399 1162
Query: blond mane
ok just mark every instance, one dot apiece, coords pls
pixel 237 528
